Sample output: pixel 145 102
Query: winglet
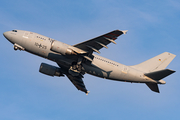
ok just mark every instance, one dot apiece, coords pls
pixel 87 92
pixel 125 31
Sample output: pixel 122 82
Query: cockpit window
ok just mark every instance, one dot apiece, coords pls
pixel 14 30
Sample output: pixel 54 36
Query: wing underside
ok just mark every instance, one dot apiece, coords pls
pixel 78 82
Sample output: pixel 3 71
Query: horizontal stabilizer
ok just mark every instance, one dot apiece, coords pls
pixel 158 75
pixel 153 87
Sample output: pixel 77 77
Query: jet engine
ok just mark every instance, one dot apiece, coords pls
pixel 50 70
pixel 61 48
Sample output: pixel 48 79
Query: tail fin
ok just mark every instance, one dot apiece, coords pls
pixel 157 63
pixel 154 68
pixel 153 86
pixel 158 75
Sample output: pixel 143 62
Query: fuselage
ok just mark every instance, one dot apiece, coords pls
pixel 101 67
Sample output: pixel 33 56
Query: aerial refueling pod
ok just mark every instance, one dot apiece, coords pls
pixel 61 48
pixel 50 70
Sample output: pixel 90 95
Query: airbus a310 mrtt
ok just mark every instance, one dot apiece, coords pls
pixel 76 60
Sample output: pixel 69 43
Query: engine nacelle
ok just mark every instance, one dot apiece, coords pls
pixel 61 48
pixel 50 70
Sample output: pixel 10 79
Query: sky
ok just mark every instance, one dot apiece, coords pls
pixel 153 28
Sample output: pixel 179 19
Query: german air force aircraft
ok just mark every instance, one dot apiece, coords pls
pixel 76 60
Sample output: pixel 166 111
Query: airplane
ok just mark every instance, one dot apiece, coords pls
pixel 76 60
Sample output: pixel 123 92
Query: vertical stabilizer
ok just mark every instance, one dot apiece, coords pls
pixel 153 86
pixel 154 69
pixel 157 63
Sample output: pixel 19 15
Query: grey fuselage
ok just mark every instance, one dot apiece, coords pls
pixel 101 67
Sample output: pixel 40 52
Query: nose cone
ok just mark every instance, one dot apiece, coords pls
pixel 6 35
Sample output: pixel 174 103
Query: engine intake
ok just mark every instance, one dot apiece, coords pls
pixel 50 70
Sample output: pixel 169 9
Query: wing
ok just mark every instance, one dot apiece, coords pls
pixel 74 77
pixel 97 43
pixel 78 82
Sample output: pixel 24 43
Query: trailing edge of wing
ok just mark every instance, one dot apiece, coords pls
pixel 99 42
pixel 111 40
pixel 88 58
pixel 94 49
pixel 78 82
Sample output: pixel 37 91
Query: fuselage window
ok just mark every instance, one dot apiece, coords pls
pixel 106 61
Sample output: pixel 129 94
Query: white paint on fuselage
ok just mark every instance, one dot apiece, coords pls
pixel 105 68
pixel 102 67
